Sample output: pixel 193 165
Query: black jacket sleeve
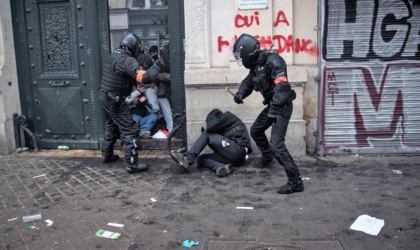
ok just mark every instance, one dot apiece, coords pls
pixel 246 87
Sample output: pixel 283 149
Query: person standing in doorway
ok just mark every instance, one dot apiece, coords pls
pixel 121 70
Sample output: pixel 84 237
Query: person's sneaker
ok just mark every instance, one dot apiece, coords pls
pixel 134 168
pixel 145 135
pixel 291 187
pixel 263 163
pixel 180 160
pixel 224 170
pixel 110 158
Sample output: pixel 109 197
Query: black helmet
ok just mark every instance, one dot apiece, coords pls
pixel 244 50
pixel 132 43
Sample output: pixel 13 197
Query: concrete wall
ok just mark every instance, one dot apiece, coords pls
pixel 210 30
pixel 9 91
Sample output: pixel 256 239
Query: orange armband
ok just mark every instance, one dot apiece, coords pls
pixel 139 76
pixel 280 79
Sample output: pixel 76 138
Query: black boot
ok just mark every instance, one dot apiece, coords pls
pixel 291 187
pixel 223 170
pixel 106 159
pixel 180 160
pixel 263 163
pixel 136 167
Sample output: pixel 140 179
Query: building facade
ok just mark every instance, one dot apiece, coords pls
pixel 353 65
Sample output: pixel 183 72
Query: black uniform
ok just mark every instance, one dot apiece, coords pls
pixel 120 70
pixel 268 75
pixel 278 98
pixel 228 136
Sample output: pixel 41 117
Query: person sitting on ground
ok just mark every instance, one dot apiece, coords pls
pixel 227 135
pixel 141 115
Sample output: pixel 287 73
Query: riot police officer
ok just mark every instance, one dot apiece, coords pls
pixel 121 70
pixel 268 75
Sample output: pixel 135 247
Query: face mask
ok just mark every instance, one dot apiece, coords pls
pixel 155 57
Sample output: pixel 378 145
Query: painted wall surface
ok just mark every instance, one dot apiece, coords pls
pixel 9 92
pixel 211 67
pixel 371 72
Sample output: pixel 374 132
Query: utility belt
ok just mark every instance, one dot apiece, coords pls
pixel 115 95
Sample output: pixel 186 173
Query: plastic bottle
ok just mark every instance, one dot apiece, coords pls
pixel 22 149
pixel 63 147
pixel 225 143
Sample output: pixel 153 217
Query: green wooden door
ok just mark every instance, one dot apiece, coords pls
pixel 60 45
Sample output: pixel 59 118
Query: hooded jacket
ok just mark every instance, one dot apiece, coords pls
pixel 229 126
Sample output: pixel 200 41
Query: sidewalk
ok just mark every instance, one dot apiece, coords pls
pixel 164 206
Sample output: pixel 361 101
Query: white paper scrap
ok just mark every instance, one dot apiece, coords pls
pixel 12 219
pixel 244 208
pixel 115 224
pixel 305 178
pixel 367 224
pixel 38 176
pixel 153 199
pixel 50 222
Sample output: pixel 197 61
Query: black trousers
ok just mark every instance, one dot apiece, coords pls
pixel 232 154
pixel 276 148
pixel 119 123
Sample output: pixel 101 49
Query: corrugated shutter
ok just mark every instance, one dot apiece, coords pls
pixel 370 92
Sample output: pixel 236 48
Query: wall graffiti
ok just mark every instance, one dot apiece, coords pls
pixel 371 62
pixel 284 44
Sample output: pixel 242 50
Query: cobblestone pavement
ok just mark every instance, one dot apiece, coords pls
pixel 81 195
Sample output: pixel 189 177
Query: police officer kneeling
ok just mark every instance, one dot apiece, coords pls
pixel 121 70
pixel 268 75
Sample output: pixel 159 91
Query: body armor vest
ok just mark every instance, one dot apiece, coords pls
pixel 113 82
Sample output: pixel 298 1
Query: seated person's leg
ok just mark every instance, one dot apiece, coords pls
pixel 167 112
pixel 234 153
pixel 148 122
pixel 137 119
pixel 215 162
pixel 152 99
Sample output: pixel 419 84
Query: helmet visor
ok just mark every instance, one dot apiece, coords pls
pixel 238 57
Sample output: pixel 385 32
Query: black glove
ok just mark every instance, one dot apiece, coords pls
pixel 202 129
pixel 272 119
pixel 238 98
pixel 160 63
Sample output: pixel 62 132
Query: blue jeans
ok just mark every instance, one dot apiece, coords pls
pixel 145 123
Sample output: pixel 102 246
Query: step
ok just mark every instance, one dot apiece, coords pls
pixel 154 144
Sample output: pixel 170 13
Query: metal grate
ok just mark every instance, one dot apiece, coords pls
pixel 116 36
pixel 332 243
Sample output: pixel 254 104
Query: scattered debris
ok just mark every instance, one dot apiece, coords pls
pixel 181 150
pixel 188 243
pixel 63 147
pixel 115 224
pixel 38 176
pixel 46 181
pixel 22 149
pixel 244 208
pixel 367 224
pixel 12 219
pixel 153 199
pixel 32 227
pixel 30 218
pixel 50 222
pixel 397 171
pixel 108 234
pixel 305 179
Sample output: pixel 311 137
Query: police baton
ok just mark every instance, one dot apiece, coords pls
pixel 230 91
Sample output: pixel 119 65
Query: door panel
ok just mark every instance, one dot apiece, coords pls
pixel 61 46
